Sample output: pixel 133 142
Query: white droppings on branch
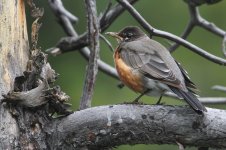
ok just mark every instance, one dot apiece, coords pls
pixel 108 118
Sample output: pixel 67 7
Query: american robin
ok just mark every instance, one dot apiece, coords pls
pixel 147 67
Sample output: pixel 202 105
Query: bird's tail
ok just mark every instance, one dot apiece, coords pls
pixel 191 99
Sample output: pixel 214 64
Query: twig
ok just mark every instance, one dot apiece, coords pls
pixel 212 100
pixel 219 88
pixel 170 36
pixel 106 11
pixel 187 31
pixel 92 68
pixel 204 100
pixel 184 35
pixel 112 14
pixel 58 8
pixel 107 42
pixel 224 46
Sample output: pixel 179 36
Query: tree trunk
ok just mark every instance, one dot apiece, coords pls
pixel 14 53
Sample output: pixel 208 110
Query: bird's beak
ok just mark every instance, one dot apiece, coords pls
pixel 115 35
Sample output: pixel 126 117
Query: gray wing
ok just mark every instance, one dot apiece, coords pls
pixel 150 65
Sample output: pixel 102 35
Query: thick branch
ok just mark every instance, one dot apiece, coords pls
pixel 92 69
pixel 108 126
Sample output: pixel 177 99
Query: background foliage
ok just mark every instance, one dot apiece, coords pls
pixel 171 16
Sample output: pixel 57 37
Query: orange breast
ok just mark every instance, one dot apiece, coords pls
pixel 126 75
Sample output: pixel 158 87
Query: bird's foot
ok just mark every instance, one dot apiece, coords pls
pixel 160 103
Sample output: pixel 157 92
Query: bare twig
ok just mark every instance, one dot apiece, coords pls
pixel 170 36
pixel 212 100
pixel 92 68
pixel 106 11
pixel 112 14
pixel 204 100
pixel 184 35
pixel 224 46
pixel 188 29
pixel 58 8
pixel 107 42
pixel 219 88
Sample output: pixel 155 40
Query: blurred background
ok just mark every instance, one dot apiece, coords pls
pixel 171 16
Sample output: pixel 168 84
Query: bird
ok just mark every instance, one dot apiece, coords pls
pixel 147 67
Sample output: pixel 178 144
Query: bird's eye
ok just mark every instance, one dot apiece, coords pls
pixel 129 35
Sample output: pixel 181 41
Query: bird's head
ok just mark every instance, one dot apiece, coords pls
pixel 127 34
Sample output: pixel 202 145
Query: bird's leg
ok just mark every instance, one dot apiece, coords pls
pixel 142 94
pixel 158 102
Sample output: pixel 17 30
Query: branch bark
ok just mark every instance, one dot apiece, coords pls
pixel 92 68
pixel 110 126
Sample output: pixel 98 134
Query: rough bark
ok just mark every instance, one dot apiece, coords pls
pixel 14 51
pixel 92 67
pixel 110 126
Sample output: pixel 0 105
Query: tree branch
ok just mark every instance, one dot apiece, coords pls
pixel 92 68
pixel 219 88
pixel 188 29
pixel 110 126
pixel 58 7
pixel 68 44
